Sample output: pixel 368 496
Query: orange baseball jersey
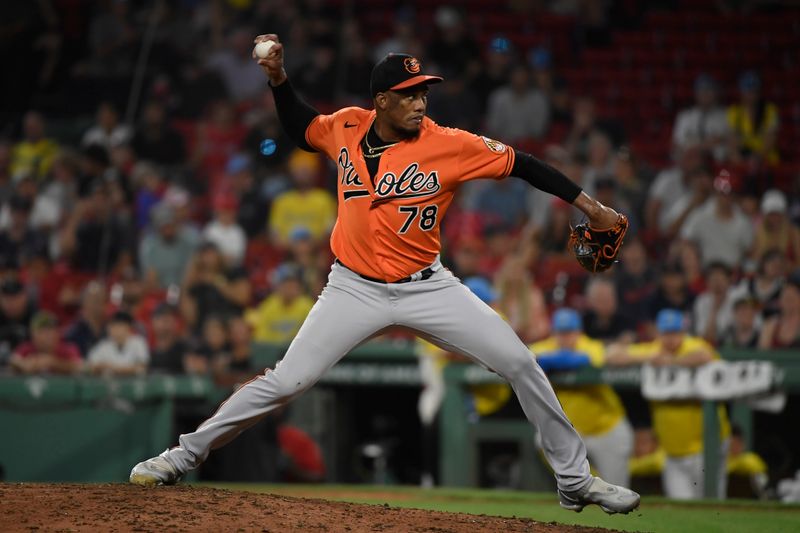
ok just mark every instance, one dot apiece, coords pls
pixel 389 229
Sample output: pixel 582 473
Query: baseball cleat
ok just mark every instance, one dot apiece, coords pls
pixel 155 471
pixel 611 498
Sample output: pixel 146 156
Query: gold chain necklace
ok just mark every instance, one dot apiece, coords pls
pixel 378 150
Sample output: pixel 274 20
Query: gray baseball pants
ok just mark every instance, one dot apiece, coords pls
pixel 352 309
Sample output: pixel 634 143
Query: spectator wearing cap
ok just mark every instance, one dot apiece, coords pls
pixel 719 227
pixel 452 43
pixel 678 424
pixel 46 352
pixel 252 204
pixel 169 347
pixel 123 352
pixel 745 328
pixel 311 257
pixel 306 205
pixel 635 279
pixel 34 153
pixel 595 410
pixel 753 123
pixel 165 251
pixel 16 312
pixel 705 124
pixel 603 319
pixel 211 287
pixel 225 232
pixel 782 330
pixel 278 318
pixel 775 231
pixel 713 308
pixel 519 110
pixel 499 60
pixel 90 326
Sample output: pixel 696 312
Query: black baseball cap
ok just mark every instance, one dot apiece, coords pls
pixel 398 71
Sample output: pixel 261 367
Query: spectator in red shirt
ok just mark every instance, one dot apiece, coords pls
pixel 46 352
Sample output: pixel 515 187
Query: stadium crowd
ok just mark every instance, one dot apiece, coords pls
pixel 143 230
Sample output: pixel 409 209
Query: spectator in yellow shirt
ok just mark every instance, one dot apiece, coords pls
pixel 595 411
pixel 278 318
pixel 754 123
pixel 34 154
pixel 305 206
pixel 678 424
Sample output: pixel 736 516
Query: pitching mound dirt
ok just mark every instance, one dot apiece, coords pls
pixel 112 507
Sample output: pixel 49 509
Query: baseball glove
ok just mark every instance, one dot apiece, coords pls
pixel 595 249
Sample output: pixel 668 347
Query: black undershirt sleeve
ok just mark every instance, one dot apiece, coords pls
pixel 544 177
pixel 294 113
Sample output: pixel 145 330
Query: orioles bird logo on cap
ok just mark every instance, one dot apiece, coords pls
pixel 412 64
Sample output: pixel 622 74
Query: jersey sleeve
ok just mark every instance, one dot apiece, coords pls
pixel 482 157
pixel 319 134
pixel 643 350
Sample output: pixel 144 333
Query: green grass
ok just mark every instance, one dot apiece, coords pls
pixel 655 514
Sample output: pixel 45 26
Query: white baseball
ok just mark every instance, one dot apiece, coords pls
pixel 263 48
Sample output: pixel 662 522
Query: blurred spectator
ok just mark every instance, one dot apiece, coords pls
pixel 123 352
pixel 584 123
pixel 165 251
pixel 357 68
pixel 560 103
pixel 606 191
pixel 234 63
pixel 775 231
pixel 209 287
pixel 603 319
pixel 403 37
pixel 251 203
pixel 169 346
pixel 686 254
pixel 18 240
pixel 701 187
pixel 45 212
pixel 713 309
pixel 518 110
pixel 217 138
pixel 504 202
pixel 264 124
pixel 150 188
pixel 34 153
pixel 107 131
pixel 112 41
pixel 672 292
pixel 631 183
pixel 555 234
pixel 670 185
pixel 595 410
pixel 278 318
pixel 225 232
pixel 765 286
pixel 600 161
pixel 678 424
pixel 635 279
pixel 497 70
pixel 155 140
pixel 304 206
pixel 211 348
pixel 94 163
pixel 304 252
pixel 46 352
pixel 16 311
pixel 96 236
pixel 521 302
pixel 540 61
pixel 753 123
pixel 452 45
pixel 315 79
pixel 782 330
pixel 62 190
pixel 500 241
pixel 453 104
pixel 236 366
pixel 6 181
pixel 719 227
pixel 745 328
pixel 704 125
pixel 90 326
pixel 467 256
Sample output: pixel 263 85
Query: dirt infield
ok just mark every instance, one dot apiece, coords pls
pixel 117 507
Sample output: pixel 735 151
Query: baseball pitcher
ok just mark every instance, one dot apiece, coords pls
pixel 397 174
